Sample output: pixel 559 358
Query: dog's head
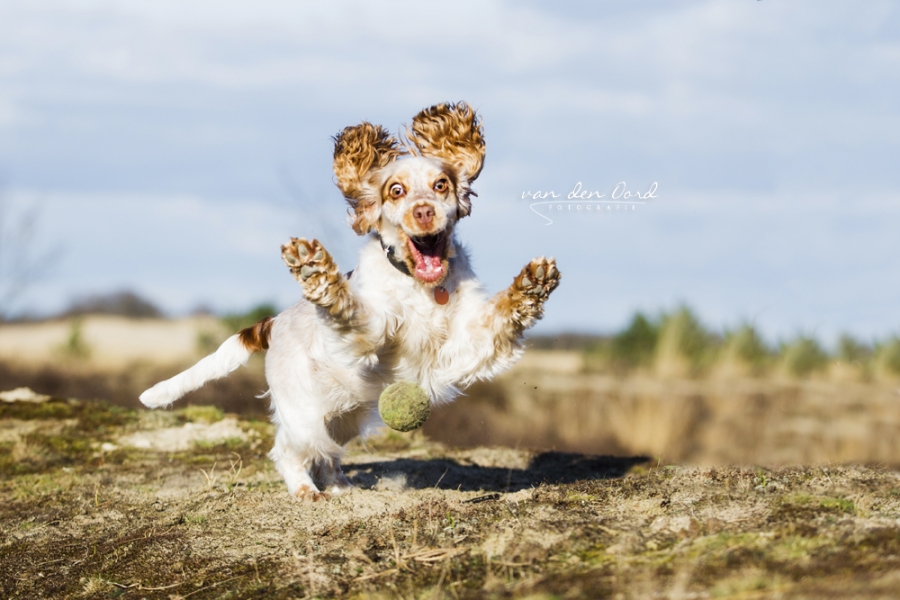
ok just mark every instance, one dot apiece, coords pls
pixel 413 194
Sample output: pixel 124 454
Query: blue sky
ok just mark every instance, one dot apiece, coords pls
pixel 172 147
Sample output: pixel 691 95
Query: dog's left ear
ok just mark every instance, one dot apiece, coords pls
pixel 452 133
pixel 359 153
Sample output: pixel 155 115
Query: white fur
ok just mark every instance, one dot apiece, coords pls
pixel 317 375
pixel 230 355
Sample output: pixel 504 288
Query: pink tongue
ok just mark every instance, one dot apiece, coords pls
pixel 428 267
pixel 426 264
pixel 424 261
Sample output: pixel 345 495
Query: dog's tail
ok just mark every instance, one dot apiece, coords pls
pixel 234 352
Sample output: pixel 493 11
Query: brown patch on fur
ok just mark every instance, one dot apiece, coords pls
pixel 256 337
pixel 359 152
pixel 452 133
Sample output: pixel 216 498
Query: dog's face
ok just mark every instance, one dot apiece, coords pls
pixel 419 209
pixel 412 203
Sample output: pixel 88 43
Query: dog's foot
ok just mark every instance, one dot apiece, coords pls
pixel 305 259
pixel 531 288
pixel 310 494
pixel 313 267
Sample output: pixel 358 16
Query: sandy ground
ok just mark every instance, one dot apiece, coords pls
pixel 103 502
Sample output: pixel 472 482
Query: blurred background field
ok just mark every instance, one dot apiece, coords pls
pixel 665 386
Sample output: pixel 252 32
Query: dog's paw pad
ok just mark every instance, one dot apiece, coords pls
pixel 538 278
pixel 305 258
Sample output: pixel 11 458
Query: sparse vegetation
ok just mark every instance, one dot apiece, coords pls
pixel 887 358
pixel 636 345
pixel 678 344
pixel 75 346
pixel 803 356
pixel 104 520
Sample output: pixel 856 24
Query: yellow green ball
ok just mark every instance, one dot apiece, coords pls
pixel 404 406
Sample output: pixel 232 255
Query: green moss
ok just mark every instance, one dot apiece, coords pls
pixel 201 414
pixel 838 505
pixel 27 411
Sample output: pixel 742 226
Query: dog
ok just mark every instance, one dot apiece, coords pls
pixel 412 310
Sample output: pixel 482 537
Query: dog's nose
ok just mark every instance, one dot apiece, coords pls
pixel 424 215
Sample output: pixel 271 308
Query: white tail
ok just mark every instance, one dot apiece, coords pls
pixel 230 355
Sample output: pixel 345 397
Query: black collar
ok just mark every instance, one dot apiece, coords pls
pixel 392 258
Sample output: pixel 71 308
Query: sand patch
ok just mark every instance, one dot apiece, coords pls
pixel 176 439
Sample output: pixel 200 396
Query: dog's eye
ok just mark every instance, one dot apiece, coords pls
pixel 397 190
pixel 441 185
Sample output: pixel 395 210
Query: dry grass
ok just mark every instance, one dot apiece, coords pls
pixel 716 421
pixel 215 521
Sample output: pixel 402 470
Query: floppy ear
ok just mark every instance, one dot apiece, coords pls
pixel 452 133
pixel 359 152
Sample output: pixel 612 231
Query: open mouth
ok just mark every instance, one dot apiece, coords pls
pixel 427 251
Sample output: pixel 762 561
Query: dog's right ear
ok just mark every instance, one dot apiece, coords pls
pixel 359 153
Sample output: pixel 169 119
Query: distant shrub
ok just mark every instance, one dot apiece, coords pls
pixel 684 346
pixel 122 303
pixel 238 321
pixel 635 346
pixel 852 351
pixel 745 352
pixel 803 356
pixel 887 357
pixel 677 344
pixel 748 345
pixel 75 347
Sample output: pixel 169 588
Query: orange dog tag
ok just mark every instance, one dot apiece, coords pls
pixel 441 295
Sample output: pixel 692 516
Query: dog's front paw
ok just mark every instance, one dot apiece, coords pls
pixel 531 288
pixel 538 278
pixel 312 266
pixel 304 258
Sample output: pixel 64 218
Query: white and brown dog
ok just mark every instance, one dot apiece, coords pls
pixel 411 311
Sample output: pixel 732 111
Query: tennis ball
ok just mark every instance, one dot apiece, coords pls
pixel 404 406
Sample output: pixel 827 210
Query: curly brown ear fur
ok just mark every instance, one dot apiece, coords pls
pixel 452 133
pixel 359 152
